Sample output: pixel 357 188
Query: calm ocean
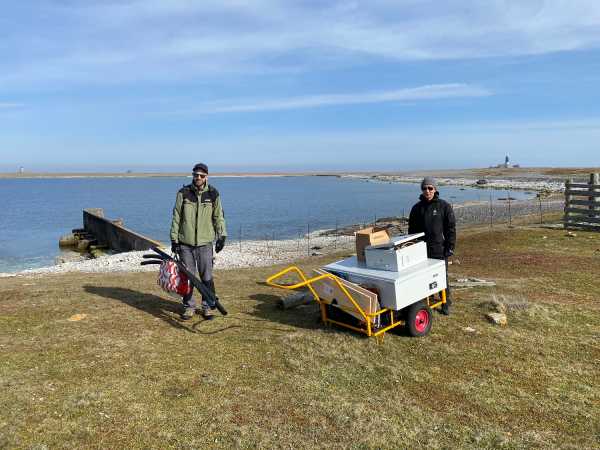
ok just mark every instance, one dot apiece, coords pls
pixel 36 212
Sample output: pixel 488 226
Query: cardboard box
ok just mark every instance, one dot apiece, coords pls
pixel 329 292
pixel 369 236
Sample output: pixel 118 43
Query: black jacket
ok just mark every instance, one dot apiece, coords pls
pixel 436 220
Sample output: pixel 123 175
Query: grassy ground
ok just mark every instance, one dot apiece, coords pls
pixel 130 374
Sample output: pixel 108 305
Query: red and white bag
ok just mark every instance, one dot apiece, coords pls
pixel 172 280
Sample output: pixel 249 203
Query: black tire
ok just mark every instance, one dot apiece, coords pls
pixel 418 319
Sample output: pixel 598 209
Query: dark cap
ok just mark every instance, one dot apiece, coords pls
pixel 428 181
pixel 200 167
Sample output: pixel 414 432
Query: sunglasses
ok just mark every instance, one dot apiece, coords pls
pixel 428 188
pixel 199 175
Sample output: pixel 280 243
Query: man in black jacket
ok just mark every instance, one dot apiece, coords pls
pixel 434 217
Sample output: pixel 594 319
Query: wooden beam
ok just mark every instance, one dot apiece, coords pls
pixel 568 199
pixel 587 193
pixel 582 211
pixel 593 185
pixel 594 181
pixel 580 219
pixel 582 226
pixel 583 203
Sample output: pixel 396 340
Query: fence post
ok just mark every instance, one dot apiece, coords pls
pixel 308 239
pixel 567 201
pixel 240 238
pixel 540 201
pixel 509 211
pixel 491 212
pixel 336 235
pixel 595 190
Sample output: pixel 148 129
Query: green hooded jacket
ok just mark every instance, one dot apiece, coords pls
pixel 198 217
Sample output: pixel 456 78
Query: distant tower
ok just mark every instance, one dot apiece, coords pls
pixel 21 170
pixel 506 161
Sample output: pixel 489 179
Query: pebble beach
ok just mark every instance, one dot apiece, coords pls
pixel 266 253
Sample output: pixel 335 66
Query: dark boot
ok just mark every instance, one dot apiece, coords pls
pixel 446 307
pixel 206 311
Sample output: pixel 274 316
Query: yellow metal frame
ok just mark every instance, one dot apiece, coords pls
pixel 369 329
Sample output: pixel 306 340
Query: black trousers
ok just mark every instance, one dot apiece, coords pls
pixel 448 295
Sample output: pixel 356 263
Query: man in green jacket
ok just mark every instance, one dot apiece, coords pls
pixel 198 220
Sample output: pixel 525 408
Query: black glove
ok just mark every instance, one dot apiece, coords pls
pixel 174 247
pixel 220 244
pixel 448 252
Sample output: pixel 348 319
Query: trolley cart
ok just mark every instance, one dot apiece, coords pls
pixel 403 298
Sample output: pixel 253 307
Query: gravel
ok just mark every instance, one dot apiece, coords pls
pixel 234 255
pixel 548 185
pixel 266 253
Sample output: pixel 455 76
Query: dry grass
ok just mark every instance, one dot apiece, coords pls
pixel 130 374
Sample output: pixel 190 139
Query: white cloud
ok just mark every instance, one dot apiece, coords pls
pixel 438 91
pixel 178 39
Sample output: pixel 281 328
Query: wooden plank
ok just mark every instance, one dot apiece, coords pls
pixel 594 181
pixel 583 193
pixel 329 291
pixel 584 185
pixel 582 226
pixel 583 203
pixel 580 219
pixel 582 211
pixel 568 198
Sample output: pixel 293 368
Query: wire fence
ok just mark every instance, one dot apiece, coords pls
pixel 313 240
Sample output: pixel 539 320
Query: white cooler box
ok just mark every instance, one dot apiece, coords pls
pixel 398 254
pixel 396 290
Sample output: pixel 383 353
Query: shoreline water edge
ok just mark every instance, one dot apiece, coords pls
pixel 257 253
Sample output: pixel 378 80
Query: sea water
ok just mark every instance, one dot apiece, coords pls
pixel 35 212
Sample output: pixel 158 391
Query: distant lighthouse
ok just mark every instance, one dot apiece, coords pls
pixel 506 162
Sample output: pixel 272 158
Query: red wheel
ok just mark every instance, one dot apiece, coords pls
pixel 421 321
pixel 418 319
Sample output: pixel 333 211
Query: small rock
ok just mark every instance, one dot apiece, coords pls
pixel 497 318
pixel 571 234
pixel 469 330
pixel 544 237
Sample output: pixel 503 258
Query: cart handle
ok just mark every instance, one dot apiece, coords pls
pixel 307 282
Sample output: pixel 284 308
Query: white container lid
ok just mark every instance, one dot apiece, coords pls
pixel 397 240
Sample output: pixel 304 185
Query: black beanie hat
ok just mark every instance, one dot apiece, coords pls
pixel 200 167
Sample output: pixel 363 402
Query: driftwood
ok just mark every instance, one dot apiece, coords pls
pixel 471 282
pixel 295 299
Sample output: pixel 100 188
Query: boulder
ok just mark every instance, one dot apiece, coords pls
pixel 83 244
pixel 68 240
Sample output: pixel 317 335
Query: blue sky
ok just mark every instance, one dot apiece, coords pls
pixel 298 85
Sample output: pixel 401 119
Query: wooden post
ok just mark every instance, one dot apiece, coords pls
pixel 595 189
pixel 567 201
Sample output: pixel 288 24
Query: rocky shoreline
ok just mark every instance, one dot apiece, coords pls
pixel 266 253
pixel 546 185
pixel 234 255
